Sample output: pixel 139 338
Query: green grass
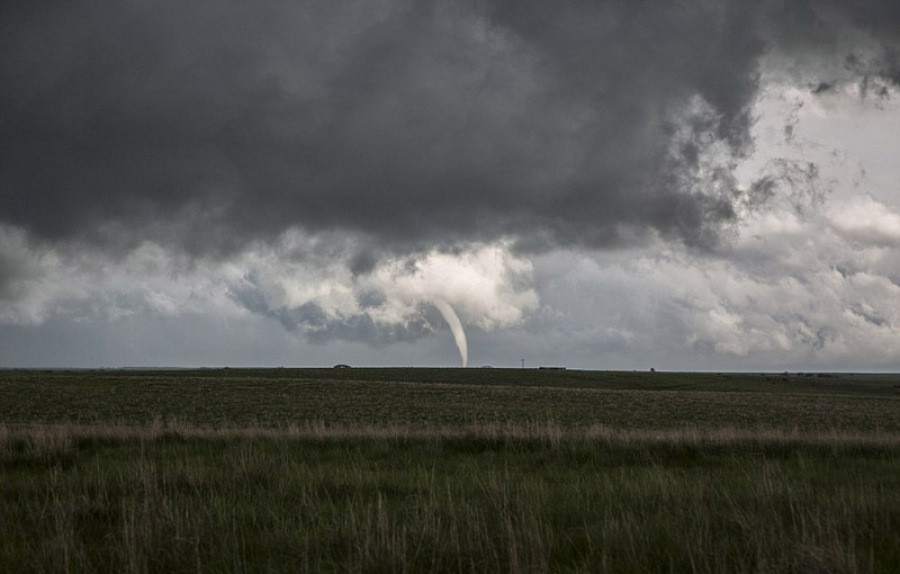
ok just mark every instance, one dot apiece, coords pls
pixel 393 470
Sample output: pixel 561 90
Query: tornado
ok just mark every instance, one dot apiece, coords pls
pixel 459 335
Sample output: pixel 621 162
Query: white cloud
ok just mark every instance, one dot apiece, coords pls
pixel 792 288
pixel 866 221
pixel 486 284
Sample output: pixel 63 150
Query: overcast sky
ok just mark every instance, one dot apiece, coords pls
pixel 700 185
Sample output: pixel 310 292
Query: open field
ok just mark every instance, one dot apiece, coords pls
pixel 447 470
pixel 447 397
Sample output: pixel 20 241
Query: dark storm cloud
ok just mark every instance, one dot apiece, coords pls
pixel 205 125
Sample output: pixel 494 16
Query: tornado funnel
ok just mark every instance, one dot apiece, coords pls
pixel 459 335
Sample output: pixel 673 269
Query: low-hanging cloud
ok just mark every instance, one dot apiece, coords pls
pixel 488 287
pixel 305 286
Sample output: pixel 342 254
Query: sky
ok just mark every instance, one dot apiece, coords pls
pixel 607 184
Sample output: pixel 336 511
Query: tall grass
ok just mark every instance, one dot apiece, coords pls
pixel 172 496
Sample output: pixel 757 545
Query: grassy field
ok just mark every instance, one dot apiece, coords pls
pixel 397 470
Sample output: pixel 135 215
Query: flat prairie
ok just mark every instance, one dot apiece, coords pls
pixel 393 470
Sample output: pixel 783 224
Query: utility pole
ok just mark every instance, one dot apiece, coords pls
pixel 523 362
